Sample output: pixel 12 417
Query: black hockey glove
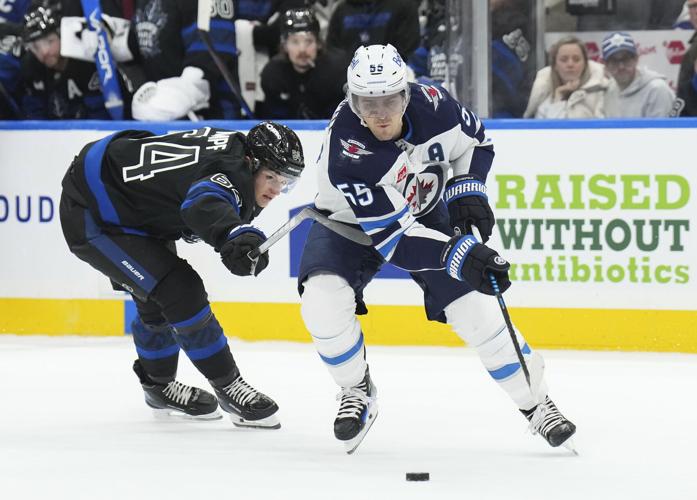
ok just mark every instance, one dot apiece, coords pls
pixel 466 259
pixel 468 205
pixel 234 253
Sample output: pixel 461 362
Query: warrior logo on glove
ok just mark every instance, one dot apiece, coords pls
pixel 468 205
pixel 467 260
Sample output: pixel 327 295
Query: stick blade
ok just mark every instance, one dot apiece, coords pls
pixel 203 18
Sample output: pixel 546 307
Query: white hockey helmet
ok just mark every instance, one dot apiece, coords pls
pixel 375 71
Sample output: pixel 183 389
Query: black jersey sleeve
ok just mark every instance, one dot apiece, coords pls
pixel 212 208
pixel 222 198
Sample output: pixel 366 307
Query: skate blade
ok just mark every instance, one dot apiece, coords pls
pixel 571 446
pixel 170 414
pixel 352 444
pixel 270 422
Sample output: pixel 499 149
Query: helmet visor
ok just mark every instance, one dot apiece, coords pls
pixel 380 106
pixel 279 181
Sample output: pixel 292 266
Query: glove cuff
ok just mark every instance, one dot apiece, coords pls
pixel 455 253
pixel 244 228
pixel 464 185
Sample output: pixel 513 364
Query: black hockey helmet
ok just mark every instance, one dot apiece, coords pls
pixel 296 20
pixel 276 147
pixel 38 23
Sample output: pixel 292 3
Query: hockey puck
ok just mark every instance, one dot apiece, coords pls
pixel 418 476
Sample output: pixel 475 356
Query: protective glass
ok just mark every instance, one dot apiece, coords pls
pixel 382 106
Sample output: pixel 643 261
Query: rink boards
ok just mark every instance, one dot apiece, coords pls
pixel 597 218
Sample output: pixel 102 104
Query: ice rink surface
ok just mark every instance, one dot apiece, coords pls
pixel 73 425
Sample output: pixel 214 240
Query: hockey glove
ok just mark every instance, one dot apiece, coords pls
pixel 468 205
pixel 466 259
pixel 234 252
pixel 171 98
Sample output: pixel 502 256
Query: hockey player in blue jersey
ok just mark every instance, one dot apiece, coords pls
pixel 408 163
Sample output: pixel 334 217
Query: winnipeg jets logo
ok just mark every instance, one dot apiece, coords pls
pixel 423 191
pixel 432 94
pixel 353 149
pixel 417 196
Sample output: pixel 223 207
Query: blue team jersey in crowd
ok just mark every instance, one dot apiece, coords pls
pixel 11 11
pixel 385 186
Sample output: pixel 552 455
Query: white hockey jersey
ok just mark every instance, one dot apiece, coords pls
pixel 386 186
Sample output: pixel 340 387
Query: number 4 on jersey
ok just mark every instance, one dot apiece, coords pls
pixel 156 157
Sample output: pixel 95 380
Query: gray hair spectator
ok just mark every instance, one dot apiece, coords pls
pixel 572 86
pixel 687 79
pixel 633 91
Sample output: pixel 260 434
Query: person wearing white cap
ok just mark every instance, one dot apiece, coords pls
pixel 633 92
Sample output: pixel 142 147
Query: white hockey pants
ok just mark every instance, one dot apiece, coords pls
pixel 328 309
pixel 477 319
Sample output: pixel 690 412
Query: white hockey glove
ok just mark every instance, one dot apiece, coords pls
pixel 171 98
pixel 79 42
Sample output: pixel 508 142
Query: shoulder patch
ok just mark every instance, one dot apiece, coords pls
pixel 222 180
pixel 353 149
pixel 432 94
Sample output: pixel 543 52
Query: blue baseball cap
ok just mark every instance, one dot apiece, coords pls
pixel 617 42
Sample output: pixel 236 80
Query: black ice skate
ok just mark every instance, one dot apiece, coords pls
pixel 547 421
pixel 246 406
pixel 357 412
pixel 176 399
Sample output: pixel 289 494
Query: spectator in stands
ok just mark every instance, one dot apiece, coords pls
pixel 182 76
pixel 367 22
pixel 633 92
pixel 511 59
pixel 10 53
pixel 687 79
pixel 306 81
pixel 57 87
pixel 571 87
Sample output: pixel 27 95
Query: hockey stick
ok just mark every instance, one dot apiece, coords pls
pixel 348 232
pixel 203 24
pixel 104 60
pixel 568 444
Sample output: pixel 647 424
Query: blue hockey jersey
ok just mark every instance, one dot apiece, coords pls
pixel 385 186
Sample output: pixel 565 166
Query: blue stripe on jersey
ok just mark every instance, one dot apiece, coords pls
pixel 342 358
pixel 386 247
pixel 222 36
pixel 93 171
pixel 375 225
pixel 255 10
pixel 208 188
pixel 365 21
pixel 126 264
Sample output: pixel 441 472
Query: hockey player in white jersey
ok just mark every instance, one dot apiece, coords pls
pixel 408 163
